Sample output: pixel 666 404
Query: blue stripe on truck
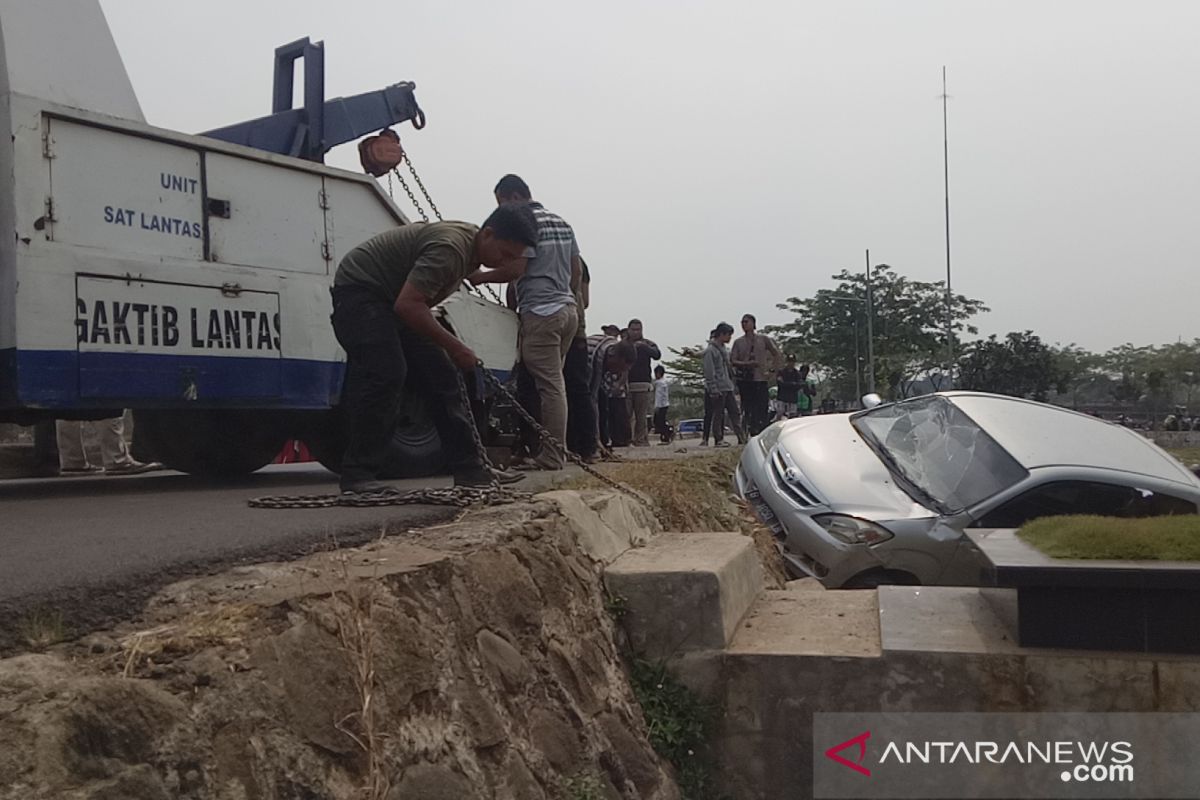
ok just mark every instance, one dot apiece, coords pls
pixel 68 379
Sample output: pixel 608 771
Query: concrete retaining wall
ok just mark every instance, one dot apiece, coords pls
pixel 961 660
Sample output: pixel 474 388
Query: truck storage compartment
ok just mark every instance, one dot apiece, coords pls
pixel 170 341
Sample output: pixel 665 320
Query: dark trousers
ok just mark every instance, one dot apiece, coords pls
pixel 708 415
pixel 529 442
pixel 619 421
pixel 381 356
pixel 726 403
pixel 756 405
pixel 581 414
pixel 660 422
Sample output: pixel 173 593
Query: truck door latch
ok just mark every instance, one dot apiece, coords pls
pixel 231 289
pixel 217 208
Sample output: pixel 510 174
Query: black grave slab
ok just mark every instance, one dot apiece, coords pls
pixel 1131 606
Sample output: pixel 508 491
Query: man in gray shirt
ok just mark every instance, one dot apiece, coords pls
pixel 718 385
pixel 549 318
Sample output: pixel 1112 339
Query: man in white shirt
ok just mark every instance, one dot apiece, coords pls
pixel 662 403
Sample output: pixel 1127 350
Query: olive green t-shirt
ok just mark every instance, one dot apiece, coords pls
pixel 434 257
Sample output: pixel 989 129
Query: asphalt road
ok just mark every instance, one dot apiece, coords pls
pixel 93 548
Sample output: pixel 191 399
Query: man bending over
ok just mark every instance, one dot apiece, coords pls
pixel 382 295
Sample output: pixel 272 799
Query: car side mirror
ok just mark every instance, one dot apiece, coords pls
pixel 871 400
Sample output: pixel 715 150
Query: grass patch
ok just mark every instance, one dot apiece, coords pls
pixel 1149 539
pixel 692 493
pixel 42 628
pixel 680 724
pixel 1186 455
pixel 583 786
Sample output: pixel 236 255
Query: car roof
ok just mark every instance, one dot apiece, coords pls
pixel 1041 435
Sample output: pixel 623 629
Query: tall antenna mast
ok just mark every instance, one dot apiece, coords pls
pixel 946 181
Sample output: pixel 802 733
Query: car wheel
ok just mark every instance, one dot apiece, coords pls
pixel 873 579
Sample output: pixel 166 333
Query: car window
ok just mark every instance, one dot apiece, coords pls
pixel 1082 497
pixel 940 451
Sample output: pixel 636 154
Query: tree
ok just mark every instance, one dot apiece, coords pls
pixel 686 371
pixel 1080 377
pixel 1020 365
pixel 1128 366
pixel 1180 364
pixel 909 337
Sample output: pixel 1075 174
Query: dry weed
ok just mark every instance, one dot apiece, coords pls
pixel 355 604
pixel 42 628
pixel 220 626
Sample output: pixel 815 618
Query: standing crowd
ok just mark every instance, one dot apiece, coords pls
pixel 744 372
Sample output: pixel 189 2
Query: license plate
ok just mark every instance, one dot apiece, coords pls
pixel 763 511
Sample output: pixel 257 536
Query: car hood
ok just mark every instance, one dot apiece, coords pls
pixel 844 471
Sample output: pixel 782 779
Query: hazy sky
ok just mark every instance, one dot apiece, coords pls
pixel 716 157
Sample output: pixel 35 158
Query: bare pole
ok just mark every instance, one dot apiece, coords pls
pixel 870 330
pixel 946 182
pixel 857 363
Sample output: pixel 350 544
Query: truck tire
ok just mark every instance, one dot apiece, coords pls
pixel 211 443
pixel 416 448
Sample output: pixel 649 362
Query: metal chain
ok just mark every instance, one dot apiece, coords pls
pixel 550 439
pixel 425 217
pixel 458 496
pixel 438 214
pixel 421 186
pixel 412 197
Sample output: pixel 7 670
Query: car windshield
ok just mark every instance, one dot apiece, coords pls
pixel 935 448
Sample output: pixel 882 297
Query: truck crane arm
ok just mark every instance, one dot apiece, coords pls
pixel 312 131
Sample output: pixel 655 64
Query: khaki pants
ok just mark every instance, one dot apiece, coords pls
pixel 545 342
pixel 641 405
pixel 110 433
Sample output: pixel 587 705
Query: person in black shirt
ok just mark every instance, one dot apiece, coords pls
pixel 641 383
pixel 788 383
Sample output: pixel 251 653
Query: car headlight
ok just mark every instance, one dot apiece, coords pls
pixel 853 530
pixel 770 437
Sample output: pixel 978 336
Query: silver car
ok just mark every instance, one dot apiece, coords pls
pixel 884 495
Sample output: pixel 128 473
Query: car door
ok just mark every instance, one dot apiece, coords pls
pixel 1062 497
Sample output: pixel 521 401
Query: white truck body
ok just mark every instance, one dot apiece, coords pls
pixel 156 269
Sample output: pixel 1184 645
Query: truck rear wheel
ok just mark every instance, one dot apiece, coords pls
pixel 212 443
pixel 416 448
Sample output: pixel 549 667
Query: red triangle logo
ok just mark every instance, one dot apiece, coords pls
pixel 861 741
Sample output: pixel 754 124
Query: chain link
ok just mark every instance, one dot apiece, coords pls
pixel 458 496
pixel 551 440
pixel 421 210
pixel 412 197
pixel 433 207
pixel 421 186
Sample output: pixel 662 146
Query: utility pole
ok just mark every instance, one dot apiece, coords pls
pixel 946 182
pixel 870 330
pixel 857 364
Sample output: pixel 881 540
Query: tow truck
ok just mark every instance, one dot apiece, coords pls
pixel 186 276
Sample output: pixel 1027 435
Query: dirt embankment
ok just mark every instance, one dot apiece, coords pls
pixel 473 660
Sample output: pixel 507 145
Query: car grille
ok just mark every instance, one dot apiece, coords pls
pixel 792 485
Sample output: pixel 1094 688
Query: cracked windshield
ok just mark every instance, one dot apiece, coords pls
pixel 940 451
